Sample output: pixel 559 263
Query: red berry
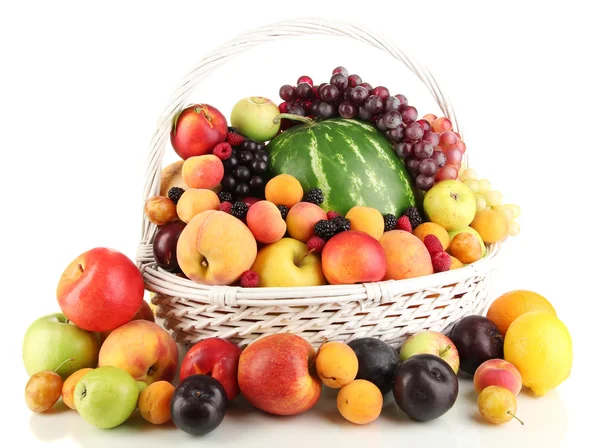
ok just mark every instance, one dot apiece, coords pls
pixel 404 224
pixel 306 79
pixel 331 215
pixel 433 244
pixel 234 139
pixel 223 150
pixel 315 244
pixel 283 107
pixel 441 261
pixel 249 279
pixel 225 207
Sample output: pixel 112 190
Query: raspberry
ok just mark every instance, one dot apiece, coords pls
pixel 223 151
pixel 390 222
pixel 315 244
pixel 404 224
pixel 249 279
pixel 441 261
pixel 433 244
pixel 234 139
pixel 225 207
pixel 332 215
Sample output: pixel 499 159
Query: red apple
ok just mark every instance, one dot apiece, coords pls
pixel 100 290
pixel 216 357
pixel 197 130
pixel 276 374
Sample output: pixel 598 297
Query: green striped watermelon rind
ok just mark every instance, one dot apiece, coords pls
pixel 379 180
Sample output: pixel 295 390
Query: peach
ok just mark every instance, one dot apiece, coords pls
pixel 143 349
pixel 465 247
pixel 284 190
pixel 455 263
pixel 154 402
pixel 431 228
pixel 490 224
pixel 301 220
pixel 336 364
pixel 215 248
pixel 160 210
pixel 195 201
pixel 68 387
pixel 366 219
pixel 203 171
pixel 265 222
pixel 497 372
pixel 353 257
pixel 360 402
pixel 406 255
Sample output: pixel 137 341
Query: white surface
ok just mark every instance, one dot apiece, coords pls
pixel 81 88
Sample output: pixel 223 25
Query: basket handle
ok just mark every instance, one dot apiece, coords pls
pixel 246 41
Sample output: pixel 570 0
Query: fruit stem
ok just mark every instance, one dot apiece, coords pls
pixel 515 417
pixel 304 256
pixel 443 352
pixel 63 363
pixel 304 120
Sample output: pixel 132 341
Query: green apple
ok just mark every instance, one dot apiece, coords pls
pixel 51 339
pixel 474 232
pixel 433 343
pixel 287 263
pixel 253 117
pixel 106 397
pixel 451 204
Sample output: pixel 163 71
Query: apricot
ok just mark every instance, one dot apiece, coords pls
pixel 154 402
pixel 366 219
pixel 195 201
pixel 265 222
pixel 203 171
pixel 160 210
pixel 455 263
pixel 68 387
pixel 337 364
pixel 284 190
pixel 360 402
pixel 301 220
pixel 490 224
pixel 406 256
pixel 465 247
pixel 431 228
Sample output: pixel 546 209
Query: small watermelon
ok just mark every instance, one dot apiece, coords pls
pixel 351 161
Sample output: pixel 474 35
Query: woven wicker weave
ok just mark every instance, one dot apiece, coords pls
pixel 390 310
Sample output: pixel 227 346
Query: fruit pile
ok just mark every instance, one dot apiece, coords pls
pixel 106 358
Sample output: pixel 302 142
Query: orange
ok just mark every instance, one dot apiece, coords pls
pixel 506 308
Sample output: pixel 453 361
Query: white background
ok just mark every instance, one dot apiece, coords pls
pixel 82 85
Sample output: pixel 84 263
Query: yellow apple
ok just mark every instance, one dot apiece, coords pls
pixel 451 204
pixel 286 263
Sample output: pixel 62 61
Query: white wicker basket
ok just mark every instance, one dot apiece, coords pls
pixel 390 310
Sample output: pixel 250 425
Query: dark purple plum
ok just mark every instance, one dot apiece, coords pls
pixel 425 387
pixel 477 339
pixel 165 245
pixel 198 404
pixel 377 362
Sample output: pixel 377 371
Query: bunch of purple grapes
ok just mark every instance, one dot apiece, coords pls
pixel 348 96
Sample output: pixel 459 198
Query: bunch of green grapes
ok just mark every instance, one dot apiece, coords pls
pixel 488 198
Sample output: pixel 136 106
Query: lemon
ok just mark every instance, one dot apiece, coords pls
pixel 539 345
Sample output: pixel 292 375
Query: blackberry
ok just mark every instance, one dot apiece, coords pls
pixel 325 229
pixel 315 196
pixel 239 210
pixel 175 193
pixel 225 196
pixel 390 222
pixel 341 224
pixel 284 210
pixel 413 216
